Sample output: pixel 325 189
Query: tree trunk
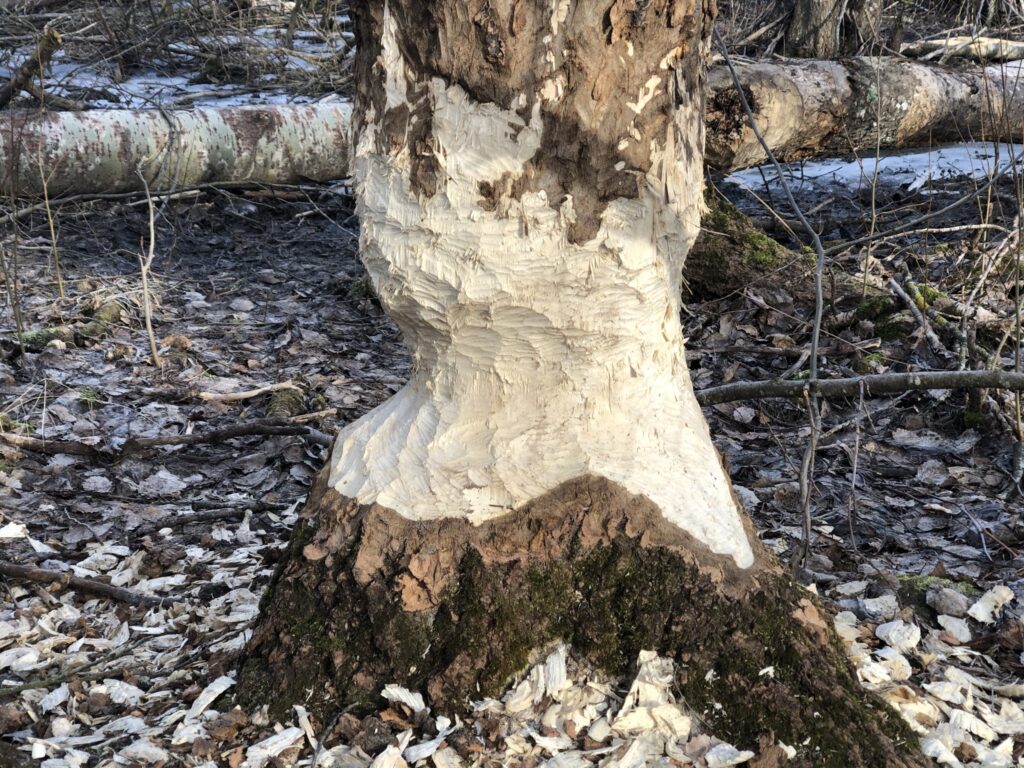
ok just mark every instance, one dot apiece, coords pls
pixel 529 181
pixel 826 29
pixel 815 27
pixel 105 150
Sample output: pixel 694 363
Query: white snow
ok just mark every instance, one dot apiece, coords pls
pixel 913 169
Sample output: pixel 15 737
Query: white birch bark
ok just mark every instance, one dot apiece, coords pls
pixel 104 150
pixel 537 360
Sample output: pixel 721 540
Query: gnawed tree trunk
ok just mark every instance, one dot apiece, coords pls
pixel 832 107
pixel 105 150
pixel 529 181
pixel 814 28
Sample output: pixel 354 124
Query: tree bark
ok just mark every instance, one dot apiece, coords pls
pixel 815 28
pixel 826 29
pixel 529 180
pixel 105 150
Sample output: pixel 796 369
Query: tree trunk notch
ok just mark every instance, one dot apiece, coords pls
pixel 528 177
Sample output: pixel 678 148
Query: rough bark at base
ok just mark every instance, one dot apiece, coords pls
pixel 365 597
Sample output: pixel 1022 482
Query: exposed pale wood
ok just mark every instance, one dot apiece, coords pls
pixel 234 397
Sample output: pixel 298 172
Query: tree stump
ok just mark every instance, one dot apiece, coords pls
pixel 365 597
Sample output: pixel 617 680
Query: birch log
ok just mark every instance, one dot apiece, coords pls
pixel 105 150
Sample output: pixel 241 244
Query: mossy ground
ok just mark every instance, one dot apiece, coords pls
pixel 732 251
pixel 913 589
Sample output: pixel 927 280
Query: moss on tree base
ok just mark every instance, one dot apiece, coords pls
pixel 732 252
pixel 365 597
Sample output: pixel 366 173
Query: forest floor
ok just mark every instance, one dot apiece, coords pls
pixel 917 538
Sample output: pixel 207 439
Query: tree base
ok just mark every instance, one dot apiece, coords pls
pixel 364 597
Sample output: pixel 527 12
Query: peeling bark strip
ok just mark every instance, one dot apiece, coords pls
pixel 103 151
pixel 816 107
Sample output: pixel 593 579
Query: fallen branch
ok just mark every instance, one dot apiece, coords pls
pixel 871 385
pixel 50 447
pixel 74 448
pixel 192 518
pixel 233 397
pixel 817 107
pixel 981 48
pixel 78 672
pixel 88 586
pixel 926 328
pixel 227 433
pixel 53 100
pixel 45 48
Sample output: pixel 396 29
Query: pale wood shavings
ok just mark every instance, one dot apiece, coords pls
pixel 966 717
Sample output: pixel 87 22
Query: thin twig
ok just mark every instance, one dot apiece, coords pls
pixel 88 586
pixel 874 385
pixel 145 264
pixel 74 448
pixel 807 465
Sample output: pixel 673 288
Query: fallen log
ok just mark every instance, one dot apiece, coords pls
pixel 804 108
pixel 86 586
pixel 980 48
pixel 107 150
pixel 817 107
